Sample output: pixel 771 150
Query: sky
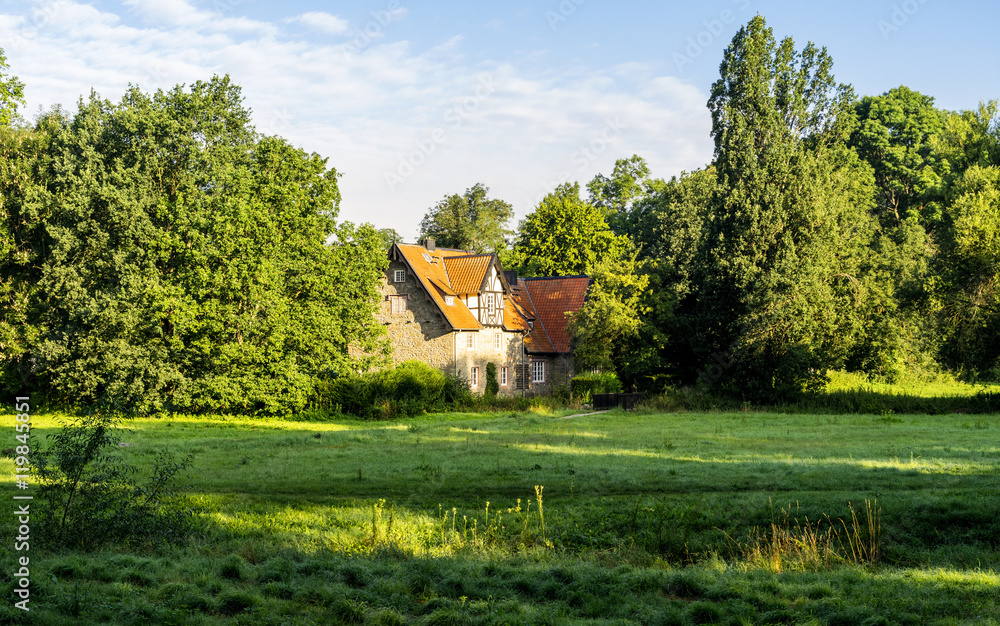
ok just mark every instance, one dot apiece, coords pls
pixel 413 101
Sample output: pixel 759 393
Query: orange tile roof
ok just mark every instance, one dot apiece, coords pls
pixel 515 313
pixel 551 299
pixel 467 273
pixel 434 278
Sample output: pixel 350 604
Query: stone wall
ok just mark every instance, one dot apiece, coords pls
pixel 558 372
pixel 421 333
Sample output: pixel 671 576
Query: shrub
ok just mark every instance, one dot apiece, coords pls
pixel 90 496
pixel 408 389
pixel 585 386
pixel 492 385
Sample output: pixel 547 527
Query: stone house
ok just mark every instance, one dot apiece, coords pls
pixel 459 311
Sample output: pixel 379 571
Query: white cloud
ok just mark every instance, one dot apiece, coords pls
pixel 322 22
pixel 374 109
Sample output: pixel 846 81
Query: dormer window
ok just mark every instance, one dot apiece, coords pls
pixel 449 300
pixel 531 325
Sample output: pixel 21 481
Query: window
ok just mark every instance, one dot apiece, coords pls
pixel 531 325
pixel 503 376
pixel 538 371
pixel 498 341
pixel 470 341
pixel 475 377
pixel 491 305
pixel 398 304
pixel 399 276
pixel 449 300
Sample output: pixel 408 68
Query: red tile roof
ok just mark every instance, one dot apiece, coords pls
pixel 551 299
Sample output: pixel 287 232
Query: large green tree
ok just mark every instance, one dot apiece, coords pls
pixel 471 221
pixel 896 134
pixel 969 267
pixel 621 195
pixel 779 274
pixel 566 235
pixel 11 93
pixel 185 261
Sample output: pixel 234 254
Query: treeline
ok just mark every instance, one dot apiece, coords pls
pixel 160 252
pixel 828 232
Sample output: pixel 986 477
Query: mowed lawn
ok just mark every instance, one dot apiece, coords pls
pixel 646 518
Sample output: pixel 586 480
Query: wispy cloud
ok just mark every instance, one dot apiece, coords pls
pixel 369 108
pixel 322 22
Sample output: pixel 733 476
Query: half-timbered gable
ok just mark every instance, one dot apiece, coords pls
pixel 459 311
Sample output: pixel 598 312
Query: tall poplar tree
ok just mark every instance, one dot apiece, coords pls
pixel 781 268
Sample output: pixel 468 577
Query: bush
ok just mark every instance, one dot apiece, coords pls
pixel 492 384
pixel 90 496
pixel 409 389
pixel 584 386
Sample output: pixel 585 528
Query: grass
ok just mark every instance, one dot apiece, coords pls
pixel 532 518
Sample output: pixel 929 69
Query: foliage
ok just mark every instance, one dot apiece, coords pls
pixel 183 259
pixel 609 316
pixel 89 497
pixel 584 386
pixel 410 388
pixel 492 384
pixel 895 134
pixel 620 196
pixel 11 94
pixel 469 222
pixel 969 265
pixel 779 277
pixel 566 236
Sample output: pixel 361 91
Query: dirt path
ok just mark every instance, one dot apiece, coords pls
pixel 566 417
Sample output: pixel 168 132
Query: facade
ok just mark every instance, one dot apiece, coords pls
pixel 459 311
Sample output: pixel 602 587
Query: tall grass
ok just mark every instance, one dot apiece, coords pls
pixel 791 544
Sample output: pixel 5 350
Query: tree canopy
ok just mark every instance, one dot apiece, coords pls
pixel 179 259
pixel 471 221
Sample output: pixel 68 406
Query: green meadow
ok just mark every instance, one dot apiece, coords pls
pixel 551 517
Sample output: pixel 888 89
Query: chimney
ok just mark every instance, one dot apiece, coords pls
pixel 429 244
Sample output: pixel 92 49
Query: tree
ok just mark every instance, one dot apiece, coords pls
pixel 610 315
pixel 11 94
pixel 619 195
pixel 896 135
pixel 183 259
pixel 469 222
pixel 969 266
pixel 779 275
pixel 566 236
pixel 670 229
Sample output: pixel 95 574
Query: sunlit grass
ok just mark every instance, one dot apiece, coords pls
pixel 643 502
pixel 941 385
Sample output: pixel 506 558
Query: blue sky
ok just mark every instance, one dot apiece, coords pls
pixel 411 101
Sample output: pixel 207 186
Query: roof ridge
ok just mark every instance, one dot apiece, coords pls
pixel 552 277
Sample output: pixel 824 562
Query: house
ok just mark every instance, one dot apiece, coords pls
pixel 459 311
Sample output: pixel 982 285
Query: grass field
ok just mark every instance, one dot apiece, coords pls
pixel 732 518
